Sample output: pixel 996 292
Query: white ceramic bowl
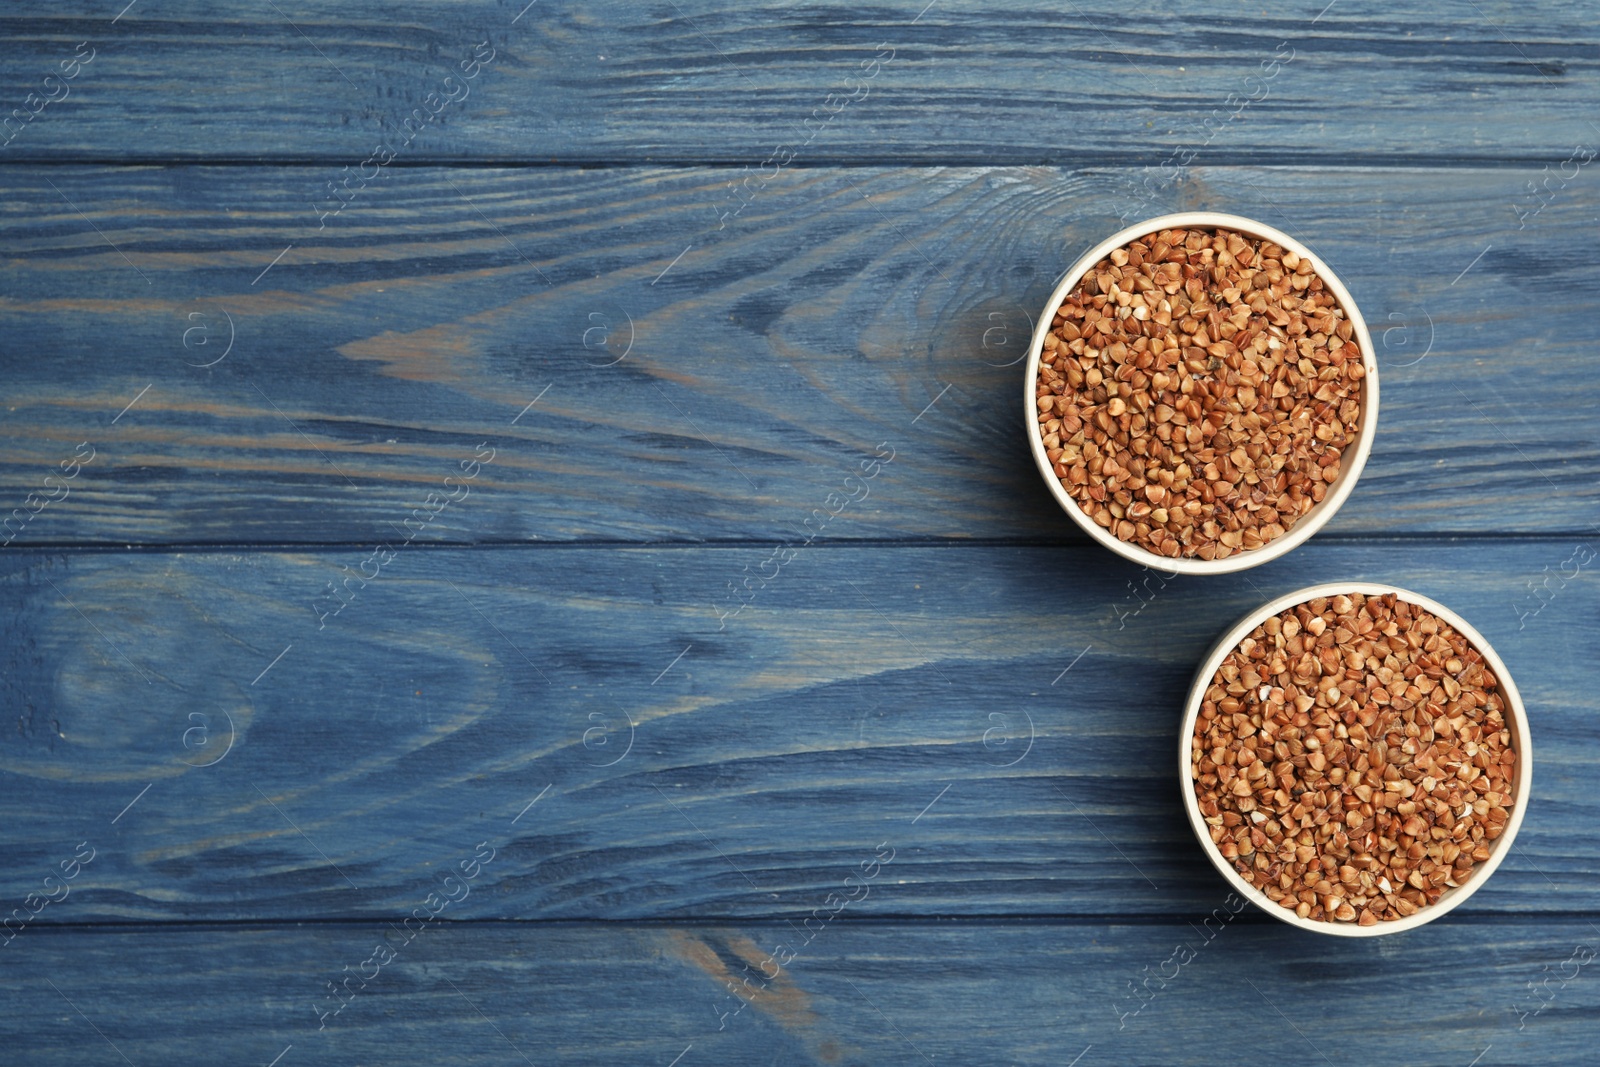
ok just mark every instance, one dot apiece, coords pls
pixel 1516 720
pixel 1353 459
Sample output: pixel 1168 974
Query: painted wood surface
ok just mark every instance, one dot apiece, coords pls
pixel 583 500
pixel 954 81
pixel 644 376
pixel 1007 717
pixel 1235 991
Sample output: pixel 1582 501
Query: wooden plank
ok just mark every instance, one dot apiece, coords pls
pixel 1005 717
pixel 960 81
pixel 1231 991
pixel 643 376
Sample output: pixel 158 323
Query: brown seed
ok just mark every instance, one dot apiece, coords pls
pixel 1366 812
pixel 1160 343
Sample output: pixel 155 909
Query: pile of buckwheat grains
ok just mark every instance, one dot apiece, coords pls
pixel 1352 760
pixel 1197 390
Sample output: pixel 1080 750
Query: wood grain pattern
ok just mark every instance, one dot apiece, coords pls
pixel 860 993
pixel 967 81
pixel 687 383
pixel 592 510
pixel 1005 717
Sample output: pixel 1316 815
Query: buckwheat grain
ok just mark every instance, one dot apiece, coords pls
pixel 1197 390
pixel 1352 760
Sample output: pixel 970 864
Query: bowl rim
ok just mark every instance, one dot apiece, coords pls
pixel 1353 459
pixel 1517 719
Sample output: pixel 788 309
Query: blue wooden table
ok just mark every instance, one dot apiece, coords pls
pixel 524 549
